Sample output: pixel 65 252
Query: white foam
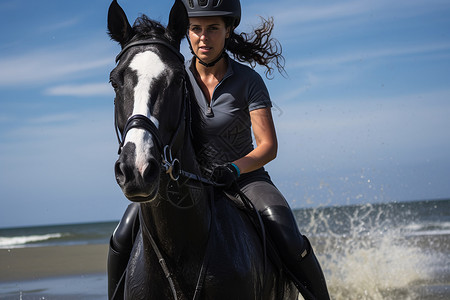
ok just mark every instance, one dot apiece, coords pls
pixel 373 259
pixel 427 229
pixel 17 241
pixel 429 233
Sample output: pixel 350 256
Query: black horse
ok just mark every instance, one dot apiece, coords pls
pixel 193 242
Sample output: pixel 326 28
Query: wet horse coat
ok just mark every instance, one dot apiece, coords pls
pixel 193 243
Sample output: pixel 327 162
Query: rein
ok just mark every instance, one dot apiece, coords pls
pixel 162 262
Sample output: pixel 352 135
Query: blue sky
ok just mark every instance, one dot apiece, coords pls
pixel 362 117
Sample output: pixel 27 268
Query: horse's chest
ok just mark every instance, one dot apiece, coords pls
pixel 143 279
pixel 146 278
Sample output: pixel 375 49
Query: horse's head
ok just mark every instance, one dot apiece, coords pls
pixel 149 82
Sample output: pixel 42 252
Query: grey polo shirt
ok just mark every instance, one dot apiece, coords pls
pixel 227 117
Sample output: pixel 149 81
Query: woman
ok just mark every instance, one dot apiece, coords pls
pixel 235 101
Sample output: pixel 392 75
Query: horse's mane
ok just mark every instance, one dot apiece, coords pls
pixel 197 125
pixel 145 28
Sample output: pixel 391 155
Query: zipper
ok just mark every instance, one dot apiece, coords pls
pixel 209 111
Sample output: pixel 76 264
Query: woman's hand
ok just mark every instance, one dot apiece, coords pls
pixel 226 175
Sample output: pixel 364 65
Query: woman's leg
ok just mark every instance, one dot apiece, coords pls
pixel 294 249
pixel 120 246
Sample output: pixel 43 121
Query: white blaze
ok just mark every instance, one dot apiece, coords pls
pixel 148 67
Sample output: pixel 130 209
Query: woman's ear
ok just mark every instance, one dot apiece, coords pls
pixel 228 33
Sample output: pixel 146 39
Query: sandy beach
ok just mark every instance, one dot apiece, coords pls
pixel 43 262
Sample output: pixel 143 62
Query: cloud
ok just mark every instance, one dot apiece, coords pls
pixel 363 69
pixel 53 119
pixel 81 90
pixel 57 144
pixel 295 12
pixel 297 22
pixel 301 13
pixel 369 54
pixel 288 13
pixel 53 64
pixel 60 162
pixel 407 127
pixel 60 25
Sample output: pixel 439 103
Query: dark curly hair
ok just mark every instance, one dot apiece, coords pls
pixel 257 47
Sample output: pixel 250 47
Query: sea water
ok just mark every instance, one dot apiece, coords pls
pixel 383 251
pixel 56 235
pixel 372 251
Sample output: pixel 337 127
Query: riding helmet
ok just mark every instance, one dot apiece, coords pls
pixel 213 8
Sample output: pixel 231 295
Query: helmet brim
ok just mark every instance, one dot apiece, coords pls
pixel 200 14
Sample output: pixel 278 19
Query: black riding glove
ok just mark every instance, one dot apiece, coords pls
pixel 226 175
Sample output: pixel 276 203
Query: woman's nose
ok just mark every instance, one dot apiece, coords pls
pixel 203 35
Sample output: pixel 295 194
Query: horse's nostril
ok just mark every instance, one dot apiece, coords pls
pixel 120 174
pixel 151 172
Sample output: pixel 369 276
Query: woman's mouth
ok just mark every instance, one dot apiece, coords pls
pixel 205 49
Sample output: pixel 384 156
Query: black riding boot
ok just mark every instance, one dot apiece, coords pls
pixel 120 246
pixel 295 251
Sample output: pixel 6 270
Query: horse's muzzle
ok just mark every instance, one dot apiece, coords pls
pixel 138 183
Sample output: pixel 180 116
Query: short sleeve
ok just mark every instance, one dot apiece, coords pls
pixel 258 96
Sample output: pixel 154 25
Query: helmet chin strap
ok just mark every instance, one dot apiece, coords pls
pixel 211 64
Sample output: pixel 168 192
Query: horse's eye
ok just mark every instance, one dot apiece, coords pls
pixel 113 84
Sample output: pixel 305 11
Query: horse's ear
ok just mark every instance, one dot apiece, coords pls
pixel 178 22
pixel 119 29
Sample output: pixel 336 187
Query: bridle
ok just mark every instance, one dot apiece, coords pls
pixel 152 41
pixel 171 165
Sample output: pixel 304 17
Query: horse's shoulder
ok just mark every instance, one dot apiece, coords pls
pixel 229 198
pixel 232 214
pixel 228 203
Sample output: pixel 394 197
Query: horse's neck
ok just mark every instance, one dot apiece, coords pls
pixel 178 228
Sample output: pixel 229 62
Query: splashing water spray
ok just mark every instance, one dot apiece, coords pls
pixel 364 252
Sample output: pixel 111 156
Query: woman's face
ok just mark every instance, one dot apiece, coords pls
pixel 207 36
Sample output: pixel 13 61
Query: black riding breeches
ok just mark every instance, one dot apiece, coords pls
pixel 294 249
pixel 278 219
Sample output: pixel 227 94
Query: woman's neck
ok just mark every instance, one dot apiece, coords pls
pixel 217 71
pixel 209 77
